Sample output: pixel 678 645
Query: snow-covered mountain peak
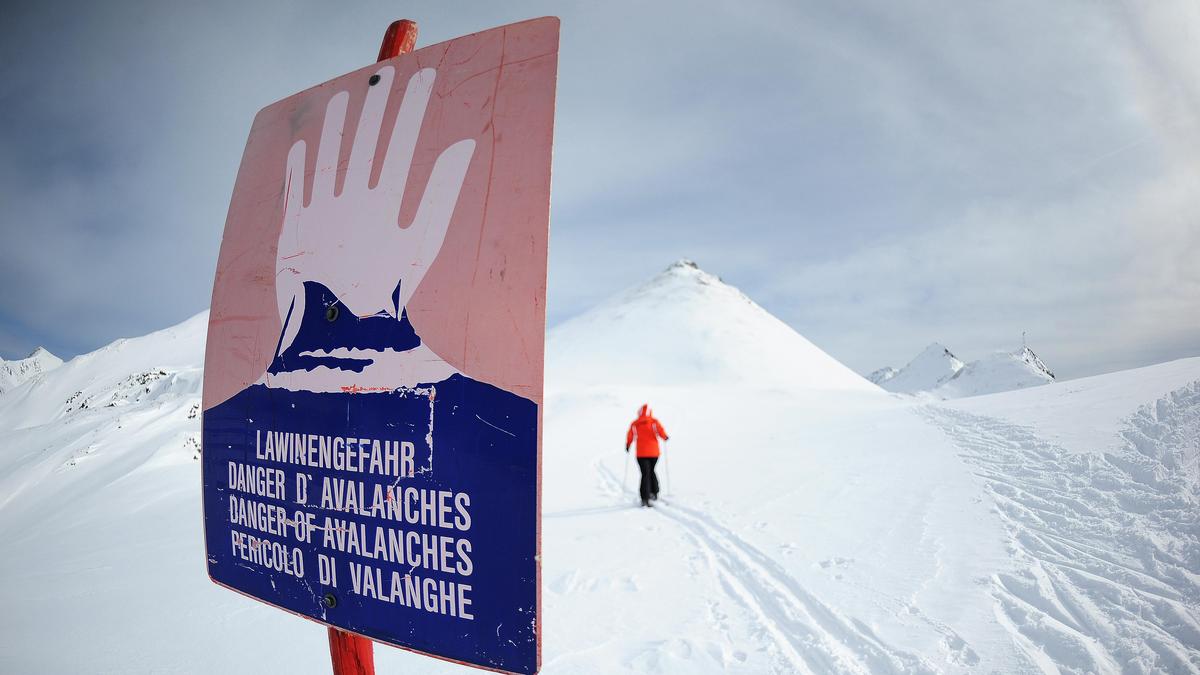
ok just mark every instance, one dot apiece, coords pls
pixel 686 325
pixel 936 351
pixel 681 276
pixel 999 371
pixel 684 264
pixel 931 368
pixel 938 371
pixel 17 372
pixel 685 268
pixel 42 353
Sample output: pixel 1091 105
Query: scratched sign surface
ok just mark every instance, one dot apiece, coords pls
pixel 373 375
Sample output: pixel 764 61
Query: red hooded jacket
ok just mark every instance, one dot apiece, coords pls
pixel 647 430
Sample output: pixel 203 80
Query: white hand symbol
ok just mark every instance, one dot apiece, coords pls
pixel 352 242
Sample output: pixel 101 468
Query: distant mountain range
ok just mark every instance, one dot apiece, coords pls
pixel 938 372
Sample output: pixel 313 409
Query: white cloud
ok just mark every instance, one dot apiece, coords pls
pixel 880 175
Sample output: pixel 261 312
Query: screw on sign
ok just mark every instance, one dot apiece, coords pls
pixel 373 374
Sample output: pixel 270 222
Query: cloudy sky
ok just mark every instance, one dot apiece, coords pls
pixel 880 175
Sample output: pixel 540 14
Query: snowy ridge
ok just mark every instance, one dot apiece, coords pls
pixel 165 361
pixel 686 325
pixel 18 372
pixel 1033 361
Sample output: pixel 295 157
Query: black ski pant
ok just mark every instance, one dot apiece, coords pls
pixel 649 484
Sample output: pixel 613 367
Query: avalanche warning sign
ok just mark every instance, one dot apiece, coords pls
pixel 373 375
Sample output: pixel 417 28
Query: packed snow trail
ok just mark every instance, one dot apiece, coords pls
pixel 1107 544
pixel 806 634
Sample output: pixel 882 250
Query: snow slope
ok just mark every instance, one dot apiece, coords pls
pixel 811 522
pixel 15 373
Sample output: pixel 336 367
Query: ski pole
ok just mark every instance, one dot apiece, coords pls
pixel 625 473
pixel 667 466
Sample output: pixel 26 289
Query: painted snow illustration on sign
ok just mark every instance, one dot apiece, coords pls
pixel 314 247
pixel 374 365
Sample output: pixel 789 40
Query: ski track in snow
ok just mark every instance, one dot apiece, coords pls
pixel 805 635
pixel 1106 544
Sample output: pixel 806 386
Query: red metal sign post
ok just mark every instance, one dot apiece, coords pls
pixel 353 654
pixel 400 38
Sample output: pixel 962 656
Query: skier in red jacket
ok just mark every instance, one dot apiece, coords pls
pixel 647 431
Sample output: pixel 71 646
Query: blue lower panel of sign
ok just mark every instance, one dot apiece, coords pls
pixel 408 516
